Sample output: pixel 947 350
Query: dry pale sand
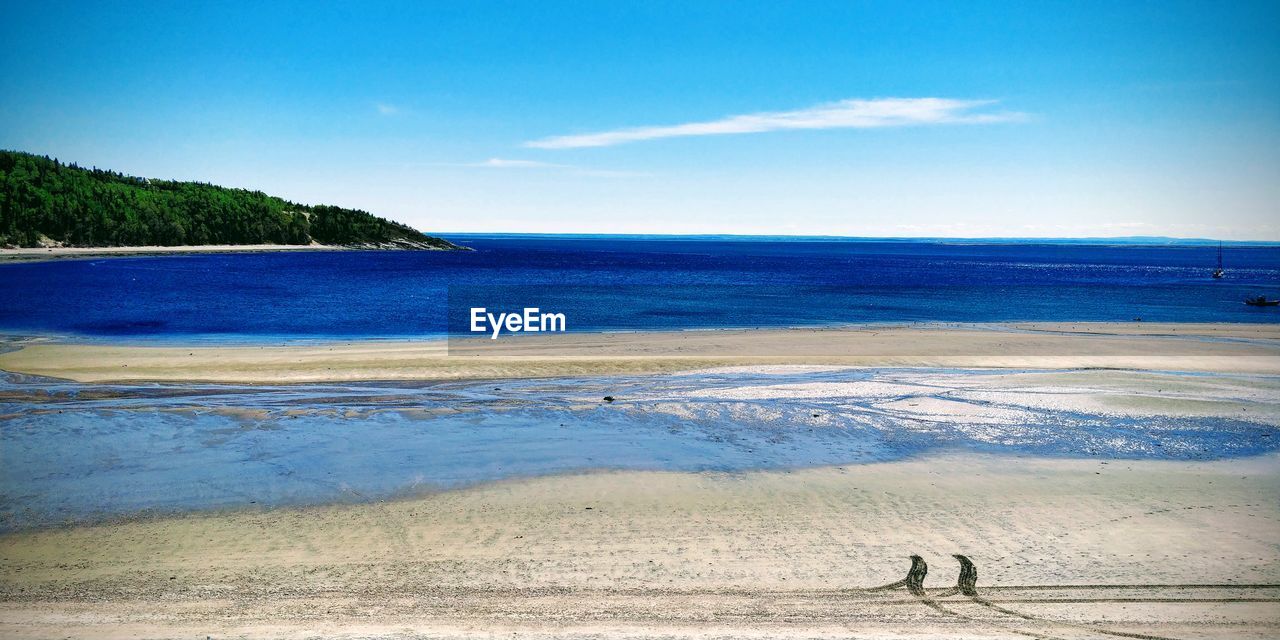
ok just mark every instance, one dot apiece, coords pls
pixel 1238 348
pixel 1062 549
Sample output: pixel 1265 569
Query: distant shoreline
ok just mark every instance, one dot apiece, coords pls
pixel 1085 241
pixel 47 254
pixel 44 254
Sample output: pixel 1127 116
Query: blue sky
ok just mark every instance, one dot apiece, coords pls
pixel 886 119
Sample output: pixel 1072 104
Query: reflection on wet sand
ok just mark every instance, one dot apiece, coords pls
pixel 82 453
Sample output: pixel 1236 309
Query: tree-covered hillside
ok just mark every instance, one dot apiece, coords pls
pixel 43 201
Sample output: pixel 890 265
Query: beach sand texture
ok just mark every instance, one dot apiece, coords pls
pixel 1240 348
pixel 1063 548
pixel 772 554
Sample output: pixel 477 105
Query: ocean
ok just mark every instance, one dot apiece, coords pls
pixel 632 283
pixel 79 453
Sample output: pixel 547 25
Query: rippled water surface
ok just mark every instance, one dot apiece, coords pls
pixel 603 283
pixel 77 452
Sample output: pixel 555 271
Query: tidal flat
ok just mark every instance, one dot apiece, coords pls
pixel 83 453
pixel 636 493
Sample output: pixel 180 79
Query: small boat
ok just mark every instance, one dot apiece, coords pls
pixel 1218 273
pixel 1261 301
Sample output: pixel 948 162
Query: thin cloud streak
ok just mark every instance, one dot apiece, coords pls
pixel 845 114
pixel 504 163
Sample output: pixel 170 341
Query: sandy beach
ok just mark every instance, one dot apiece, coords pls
pixel 1115 545
pixel 1086 545
pixel 1243 348
pixel 750 321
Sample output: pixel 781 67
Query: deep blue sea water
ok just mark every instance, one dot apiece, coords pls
pixel 604 283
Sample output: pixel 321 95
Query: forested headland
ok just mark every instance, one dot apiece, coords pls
pixel 44 202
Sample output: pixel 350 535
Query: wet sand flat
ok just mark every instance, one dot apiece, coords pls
pixel 1165 549
pixel 1240 348
pixel 79 453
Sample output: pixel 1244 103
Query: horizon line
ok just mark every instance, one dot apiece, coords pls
pixel 1130 239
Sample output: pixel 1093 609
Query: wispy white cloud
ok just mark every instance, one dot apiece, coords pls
pixel 387 109
pixel 845 114
pixel 504 163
